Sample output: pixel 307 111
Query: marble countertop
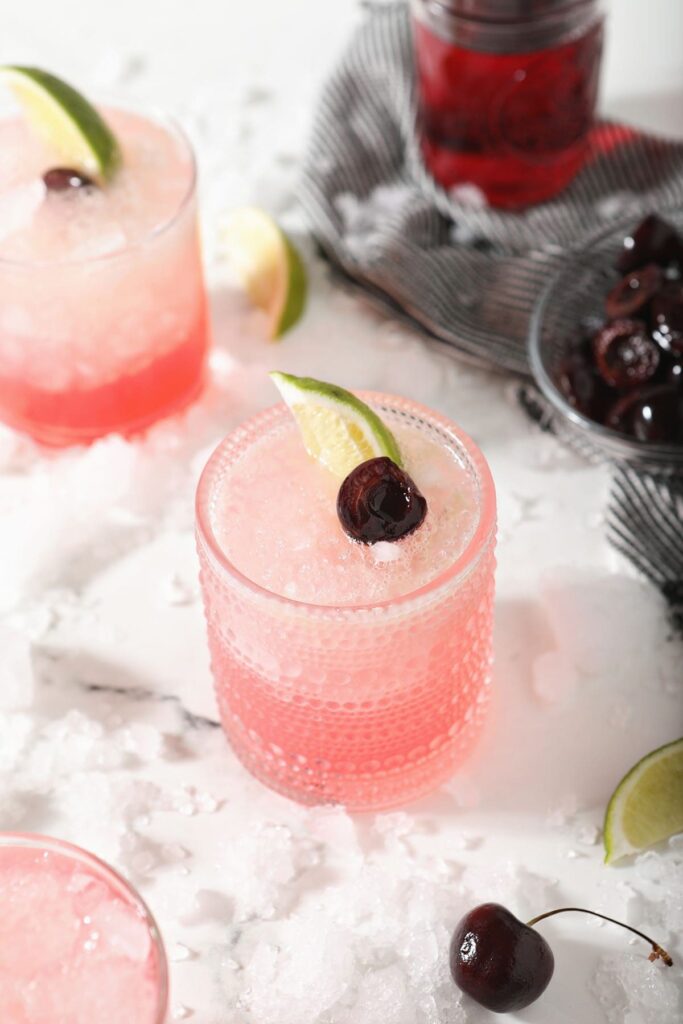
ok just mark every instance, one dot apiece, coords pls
pixel 273 913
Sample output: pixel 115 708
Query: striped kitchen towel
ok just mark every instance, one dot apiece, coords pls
pixel 390 230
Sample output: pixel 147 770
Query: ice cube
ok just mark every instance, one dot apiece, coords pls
pixel 17 680
pixel 301 978
pixel 631 990
pixel 180 953
pixel 468 195
pixel 384 551
pixel 116 68
pixel 111 238
pixel 178 592
pixel 649 866
pixel 383 998
pixel 182 1012
pixel 588 835
pixel 125 932
pixel 615 205
pixel 18 206
pixel 208 905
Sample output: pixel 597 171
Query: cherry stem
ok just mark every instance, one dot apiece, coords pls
pixel 657 952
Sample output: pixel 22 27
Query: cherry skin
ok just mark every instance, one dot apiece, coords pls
pixel 625 354
pixel 498 960
pixel 582 385
pixel 379 501
pixel 634 291
pixel 66 179
pixel 653 241
pixel 653 414
pixel 667 318
pixel 504 964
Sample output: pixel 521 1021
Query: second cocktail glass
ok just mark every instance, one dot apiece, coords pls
pixel 103 310
pixel 365 704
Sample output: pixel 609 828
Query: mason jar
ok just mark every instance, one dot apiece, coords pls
pixel 507 92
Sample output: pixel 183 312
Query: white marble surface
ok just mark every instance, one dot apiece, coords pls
pixel 107 720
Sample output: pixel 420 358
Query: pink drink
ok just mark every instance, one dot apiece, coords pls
pixel 344 672
pixel 77 945
pixel 103 313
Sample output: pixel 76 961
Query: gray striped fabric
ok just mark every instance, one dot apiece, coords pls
pixel 390 230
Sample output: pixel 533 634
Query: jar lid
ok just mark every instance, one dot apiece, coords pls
pixel 508 26
pixel 509 10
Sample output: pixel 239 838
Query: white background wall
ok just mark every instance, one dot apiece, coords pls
pixel 289 44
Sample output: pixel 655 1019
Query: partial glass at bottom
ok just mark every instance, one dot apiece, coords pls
pixel 77 943
pixel 369 706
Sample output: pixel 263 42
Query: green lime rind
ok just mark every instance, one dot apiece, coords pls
pixel 269 267
pixel 297 292
pixel 385 440
pixel 95 133
pixel 647 805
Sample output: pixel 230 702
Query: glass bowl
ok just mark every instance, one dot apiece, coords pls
pixel 577 293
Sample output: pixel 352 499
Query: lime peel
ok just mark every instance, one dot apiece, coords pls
pixel 269 267
pixel 647 805
pixel 338 429
pixel 65 119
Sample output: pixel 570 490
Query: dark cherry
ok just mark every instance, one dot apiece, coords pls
pixel 666 315
pixel 653 414
pixel 379 501
pixel 66 179
pixel 498 960
pixel 582 385
pixel 625 354
pixel 626 371
pixel 653 241
pixel 503 963
pixel 634 291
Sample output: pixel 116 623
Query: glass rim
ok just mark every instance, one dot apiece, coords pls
pixel 620 447
pixel 37 841
pixel 452 575
pixel 173 128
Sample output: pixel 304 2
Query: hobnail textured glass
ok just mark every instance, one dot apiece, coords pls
pixel 368 706
pixel 575 294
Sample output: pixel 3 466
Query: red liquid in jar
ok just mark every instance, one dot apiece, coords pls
pixel 515 125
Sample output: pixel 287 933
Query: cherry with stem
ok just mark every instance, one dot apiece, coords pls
pixel 505 964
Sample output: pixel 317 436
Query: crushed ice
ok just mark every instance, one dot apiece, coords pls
pixel 292 915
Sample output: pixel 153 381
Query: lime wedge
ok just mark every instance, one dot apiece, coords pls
pixel 647 805
pixel 269 267
pixel 337 428
pixel 66 120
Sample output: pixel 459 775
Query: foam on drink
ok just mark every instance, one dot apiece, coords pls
pixel 146 191
pixel 276 520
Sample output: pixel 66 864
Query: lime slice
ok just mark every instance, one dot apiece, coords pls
pixel 269 267
pixel 647 805
pixel 65 120
pixel 337 428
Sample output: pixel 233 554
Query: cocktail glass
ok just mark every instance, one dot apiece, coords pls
pixel 366 705
pixel 110 335
pixel 77 943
